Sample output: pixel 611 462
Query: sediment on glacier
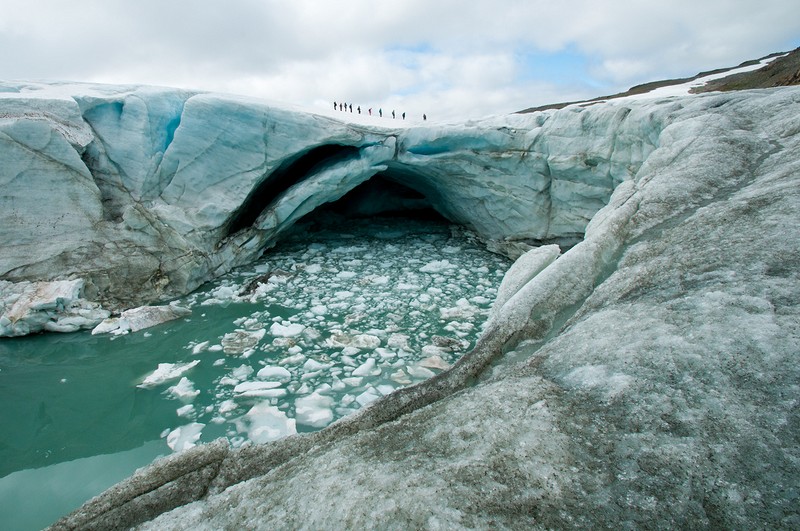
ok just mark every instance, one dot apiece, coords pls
pixel 645 377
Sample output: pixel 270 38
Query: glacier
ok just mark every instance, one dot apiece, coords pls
pixel 638 370
pixel 145 193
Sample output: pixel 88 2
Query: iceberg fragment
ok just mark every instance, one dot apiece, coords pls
pixel 166 372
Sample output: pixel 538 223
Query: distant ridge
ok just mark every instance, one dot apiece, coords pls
pixel 781 72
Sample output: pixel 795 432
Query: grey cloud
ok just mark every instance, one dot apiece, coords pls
pixel 305 49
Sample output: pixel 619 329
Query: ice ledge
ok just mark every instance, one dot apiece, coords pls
pixel 57 306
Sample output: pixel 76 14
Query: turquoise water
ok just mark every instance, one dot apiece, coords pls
pixel 322 325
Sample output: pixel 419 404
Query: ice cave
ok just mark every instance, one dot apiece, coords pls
pixel 577 317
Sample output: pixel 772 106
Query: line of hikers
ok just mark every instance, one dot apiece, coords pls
pixel 345 107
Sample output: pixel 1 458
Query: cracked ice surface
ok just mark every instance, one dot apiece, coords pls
pixel 325 325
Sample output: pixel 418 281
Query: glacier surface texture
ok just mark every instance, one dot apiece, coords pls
pixel 645 376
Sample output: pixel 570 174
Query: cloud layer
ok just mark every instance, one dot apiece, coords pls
pixel 446 58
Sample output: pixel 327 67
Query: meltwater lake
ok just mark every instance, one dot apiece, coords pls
pixel 337 315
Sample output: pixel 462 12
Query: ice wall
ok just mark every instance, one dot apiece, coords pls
pixel 140 191
pixel 646 378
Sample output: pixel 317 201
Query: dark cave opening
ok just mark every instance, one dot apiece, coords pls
pixel 380 201
pixel 287 174
pixel 381 196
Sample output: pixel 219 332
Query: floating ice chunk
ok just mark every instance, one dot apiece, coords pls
pixel 271 372
pixel 379 280
pixel 184 437
pixel 434 362
pixel 227 406
pixel 252 323
pixel 314 410
pixel 450 344
pixel 200 347
pixel 347 400
pixel 368 396
pixel 353 381
pixel 367 369
pixel 184 390
pixel 185 411
pixel 296 359
pixel 238 341
pixel 166 372
pixel 287 342
pixel 350 351
pixel 140 318
pixel 399 341
pixel 400 377
pixel 313 269
pixel 359 341
pixel 319 309
pixel 263 393
pixel 242 372
pixel 255 386
pixel 385 354
pixel 419 372
pixel 349 250
pixel 462 310
pixel 313 365
pixel 432 350
pixel 290 330
pixel 437 266
pixel 265 422
pixel 385 389
pixel 346 275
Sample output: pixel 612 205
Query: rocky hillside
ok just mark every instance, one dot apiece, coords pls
pixel 781 72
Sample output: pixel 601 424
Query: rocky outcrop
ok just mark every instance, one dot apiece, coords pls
pixel 646 377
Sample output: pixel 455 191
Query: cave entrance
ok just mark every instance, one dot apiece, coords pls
pixel 382 196
pixel 289 173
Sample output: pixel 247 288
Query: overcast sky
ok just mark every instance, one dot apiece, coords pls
pixel 450 59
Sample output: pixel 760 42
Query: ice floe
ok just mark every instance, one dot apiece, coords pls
pixel 184 437
pixel 265 422
pixel 167 372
